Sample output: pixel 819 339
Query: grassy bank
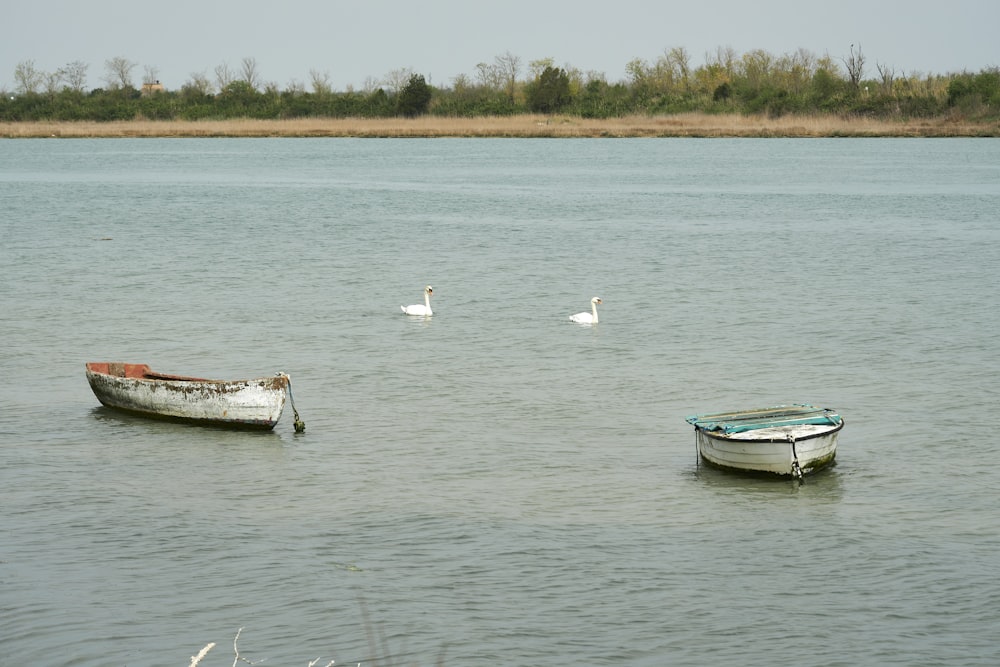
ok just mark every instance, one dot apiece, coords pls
pixel 682 125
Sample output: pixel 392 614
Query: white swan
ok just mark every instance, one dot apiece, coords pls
pixel 588 318
pixel 421 308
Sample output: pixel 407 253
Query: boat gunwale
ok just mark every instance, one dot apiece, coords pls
pixel 149 375
pixel 735 437
pixel 758 419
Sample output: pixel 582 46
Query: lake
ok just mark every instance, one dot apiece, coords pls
pixel 495 484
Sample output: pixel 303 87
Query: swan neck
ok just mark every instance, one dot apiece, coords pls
pixel 593 307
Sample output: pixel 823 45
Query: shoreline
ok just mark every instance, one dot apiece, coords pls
pixel 520 126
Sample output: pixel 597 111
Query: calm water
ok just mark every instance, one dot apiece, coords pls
pixel 497 485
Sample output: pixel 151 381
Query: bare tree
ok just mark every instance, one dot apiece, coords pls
pixel 855 65
pixel 28 77
pixel 198 83
pixel 395 80
pixel 725 58
pixel 52 80
pixel 798 69
pixel 757 66
pixel 223 76
pixel 887 76
pixel 118 72
pixel 509 66
pixel 320 82
pixel 489 76
pixel 251 74
pixel 151 75
pixel 75 75
pixel 679 61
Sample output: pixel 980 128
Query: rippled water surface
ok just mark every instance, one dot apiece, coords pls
pixel 496 485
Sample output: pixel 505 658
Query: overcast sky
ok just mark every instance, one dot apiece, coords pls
pixel 354 42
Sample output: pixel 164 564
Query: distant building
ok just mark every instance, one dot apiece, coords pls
pixel 150 88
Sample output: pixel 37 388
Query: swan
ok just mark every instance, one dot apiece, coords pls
pixel 421 308
pixel 588 318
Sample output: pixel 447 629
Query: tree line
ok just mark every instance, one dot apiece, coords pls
pixel 755 82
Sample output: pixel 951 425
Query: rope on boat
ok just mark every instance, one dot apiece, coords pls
pixel 796 468
pixel 300 426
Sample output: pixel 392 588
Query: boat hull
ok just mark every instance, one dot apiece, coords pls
pixel 812 451
pixel 254 404
pixel 783 440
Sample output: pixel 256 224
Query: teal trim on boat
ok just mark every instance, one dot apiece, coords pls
pixel 773 417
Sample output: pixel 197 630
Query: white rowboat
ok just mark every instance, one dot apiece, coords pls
pixel 256 403
pixel 784 440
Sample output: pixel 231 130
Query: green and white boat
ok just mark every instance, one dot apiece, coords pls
pixel 789 440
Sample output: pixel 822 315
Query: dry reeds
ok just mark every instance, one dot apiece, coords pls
pixel 679 125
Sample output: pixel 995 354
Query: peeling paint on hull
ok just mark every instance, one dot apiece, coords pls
pixel 255 403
